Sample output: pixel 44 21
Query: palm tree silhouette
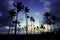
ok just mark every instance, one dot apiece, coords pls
pixel 47 15
pixel 50 22
pixel 53 18
pixel 28 16
pixel 19 6
pixel 12 14
pixel 16 22
pixel 32 20
pixel 33 24
pixel 26 9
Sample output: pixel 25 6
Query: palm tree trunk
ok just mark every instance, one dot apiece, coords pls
pixel 16 22
pixel 39 23
pixel 15 27
pixel 34 27
pixel 26 23
pixel 31 26
pixel 50 27
pixel 47 23
pixel 10 25
pixel 54 26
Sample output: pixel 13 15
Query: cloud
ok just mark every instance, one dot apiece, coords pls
pixel 37 13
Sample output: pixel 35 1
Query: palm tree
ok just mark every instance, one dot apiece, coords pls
pixel 32 20
pixel 33 24
pixel 47 15
pixel 16 22
pixel 53 18
pixel 26 9
pixel 12 14
pixel 19 6
pixel 28 16
pixel 50 22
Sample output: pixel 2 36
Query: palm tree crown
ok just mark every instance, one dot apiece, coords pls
pixel 26 9
pixel 12 13
pixel 19 6
pixel 46 14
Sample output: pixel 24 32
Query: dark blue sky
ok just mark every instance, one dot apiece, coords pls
pixel 37 8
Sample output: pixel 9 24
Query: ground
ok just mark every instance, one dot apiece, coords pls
pixel 43 36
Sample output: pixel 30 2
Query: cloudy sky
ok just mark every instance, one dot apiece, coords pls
pixel 37 9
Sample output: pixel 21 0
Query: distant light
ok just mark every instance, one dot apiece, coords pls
pixel 7 27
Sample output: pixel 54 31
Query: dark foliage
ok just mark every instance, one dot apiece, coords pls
pixel 26 9
pixel 12 13
pixel 46 14
pixel 19 6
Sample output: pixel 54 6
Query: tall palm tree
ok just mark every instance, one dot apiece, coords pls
pixel 12 14
pixel 26 9
pixel 53 18
pixel 19 6
pixel 47 15
pixel 31 19
pixel 50 22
